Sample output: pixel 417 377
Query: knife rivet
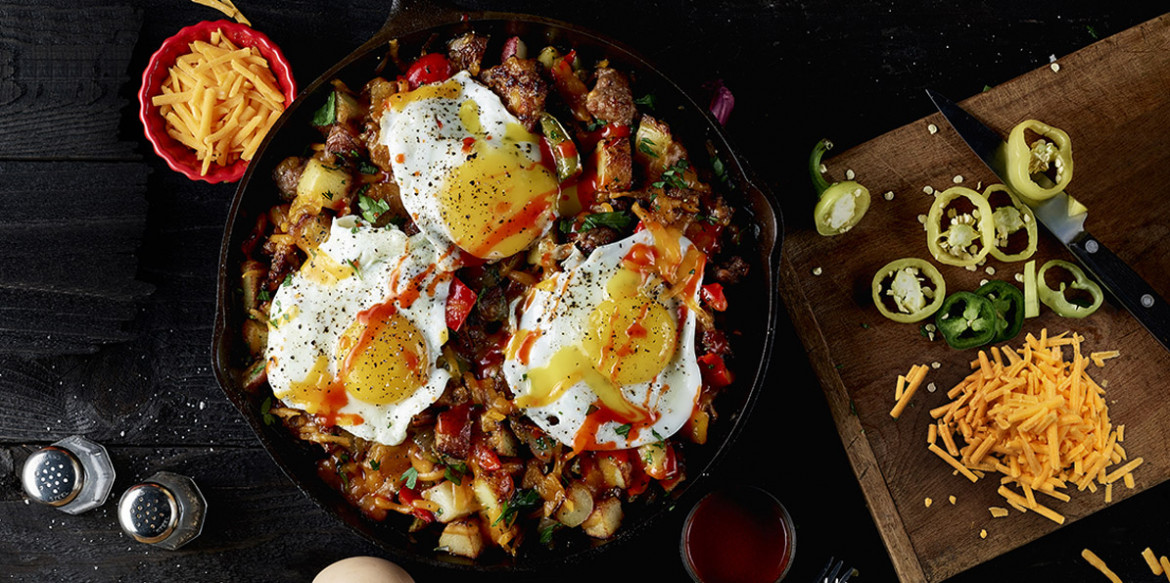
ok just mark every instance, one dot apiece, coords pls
pixel 1091 246
pixel 1147 301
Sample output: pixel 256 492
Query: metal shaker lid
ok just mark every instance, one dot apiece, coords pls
pixel 166 510
pixel 74 475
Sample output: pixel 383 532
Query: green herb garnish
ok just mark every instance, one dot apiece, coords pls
pixel 327 115
pixel 617 220
pixel 647 100
pixel 372 208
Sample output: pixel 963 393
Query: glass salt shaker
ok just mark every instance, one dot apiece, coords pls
pixel 74 475
pixel 167 510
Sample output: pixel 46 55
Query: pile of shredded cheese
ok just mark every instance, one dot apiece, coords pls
pixel 1036 418
pixel 220 100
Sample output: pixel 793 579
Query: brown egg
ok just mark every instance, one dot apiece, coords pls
pixel 363 570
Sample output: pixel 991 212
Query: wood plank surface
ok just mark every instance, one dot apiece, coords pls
pixel 1113 98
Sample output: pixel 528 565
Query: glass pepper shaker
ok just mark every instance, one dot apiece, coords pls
pixel 166 510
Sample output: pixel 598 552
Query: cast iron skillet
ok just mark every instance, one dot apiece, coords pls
pixel 755 301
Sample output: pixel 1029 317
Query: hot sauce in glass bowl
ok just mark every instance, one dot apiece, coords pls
pixel 738 535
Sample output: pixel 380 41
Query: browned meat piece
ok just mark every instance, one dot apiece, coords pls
pixel 611 99
pixel 466 52
pixel 342 140
pixel 731 271
pixel 518 82
pixel 285 260
pixel 388 192
pixel 596 237
pixel 378 90
pixel 286 175
pixel 536 439
pixel 615 165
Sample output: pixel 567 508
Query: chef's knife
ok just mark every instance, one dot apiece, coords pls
pixel 1131 291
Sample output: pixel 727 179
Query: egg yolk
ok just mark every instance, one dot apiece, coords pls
pixel 383 357
pixel 494 202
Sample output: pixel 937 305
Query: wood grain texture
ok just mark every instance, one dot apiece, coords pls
pixel 63 73
pixel 1112 98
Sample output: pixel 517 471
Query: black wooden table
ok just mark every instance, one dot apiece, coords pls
pixel 108 266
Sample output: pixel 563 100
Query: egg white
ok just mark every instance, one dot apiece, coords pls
pixel 561 315
pixel 307 318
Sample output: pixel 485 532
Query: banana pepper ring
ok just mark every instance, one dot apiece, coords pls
pixel 1043 168
pixel 1009 219
pixel 841 204
pixel 1056 298
pixel 959 238
pixel 915 291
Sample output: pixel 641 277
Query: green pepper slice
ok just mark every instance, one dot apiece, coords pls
pixel 1056 298
pixel 1008 302
pixel 916 290
pixel 1042 169
pixel 564 151
pixel 1009 219
pixel 959 238
pixel 966 320
pixel 842 204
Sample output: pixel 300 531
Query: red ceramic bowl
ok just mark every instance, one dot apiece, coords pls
pixel 178 156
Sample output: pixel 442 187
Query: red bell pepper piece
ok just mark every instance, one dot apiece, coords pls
pixel 429 68
pixel 705 236
pixel 715 371
pixel 485 458
pixel 712 295
pixel 453 431
pixel 460 300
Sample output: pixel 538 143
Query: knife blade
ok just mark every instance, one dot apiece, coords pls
pixel 1130 290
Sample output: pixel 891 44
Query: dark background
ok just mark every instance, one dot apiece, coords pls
pixel 108 267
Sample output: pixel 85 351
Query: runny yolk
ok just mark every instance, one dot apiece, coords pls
pixel 383 356
pixel 497 201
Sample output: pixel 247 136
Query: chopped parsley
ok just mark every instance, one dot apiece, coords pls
pixel 673 176
pixel 454 473
pixel 546 533
pixel 372 208
pixel 647 100
pixel 596 124
pixel 410 478
pixel 265 407
pixel 521 500
pixel 327 115
pixel 375 465
pixel 617 220
pixel 646 146
pixel 264 295
pixel 367 168
pixel 720 169
pixel 353 264
pixel 623 430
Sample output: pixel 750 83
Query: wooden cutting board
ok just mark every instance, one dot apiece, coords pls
pixel 1113 98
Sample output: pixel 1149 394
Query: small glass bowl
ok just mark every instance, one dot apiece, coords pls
pixel 733 533
pixel 178 156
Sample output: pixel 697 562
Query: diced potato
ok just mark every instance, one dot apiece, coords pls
pixel 615 472
pixel 605 519
pixel 348 109
pixel 615 169
pixel 310 231
pixel 698 426
pixel 650 142
pixel 654 458
pixel 487 497
pixel 454 501
pixel 577 506
pixel 256 336
pixel 319 186
pixel 462 538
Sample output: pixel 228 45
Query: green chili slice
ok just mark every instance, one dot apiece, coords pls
pixel 966 320
pixel 915 290
pixel 1009 220
pixel 842 204
pixel 1058 301
pixel 1040 169
pixel 1008 302
pixel 959 237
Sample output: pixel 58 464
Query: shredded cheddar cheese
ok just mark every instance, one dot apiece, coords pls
pixel 997 511
pixel 1096 561
pixel 1152 561
pixel 912 380
pixel 1036 418
pixel 227 7
pixel 220 100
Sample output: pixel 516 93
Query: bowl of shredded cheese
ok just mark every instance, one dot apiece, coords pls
pixel 209 96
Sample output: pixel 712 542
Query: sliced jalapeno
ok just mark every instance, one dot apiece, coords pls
pixel 841 204
pixel 1010 220
pixel 1008 302
pixel 1061 303
pixel 1040 169
pixel 966 320
pixel 961 237
pixel 915 291
pixel 564 151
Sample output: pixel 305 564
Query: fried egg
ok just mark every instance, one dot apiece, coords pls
pixel 468 172
pixel 355 334
pixel 602 355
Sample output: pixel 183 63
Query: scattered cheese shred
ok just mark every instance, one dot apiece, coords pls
pixel 983 533
pixel 913 379
pixel 1096 561
pixel 952 499
pixel 1152 561
pixel 1165 563
pixel 220 100
pixel 1035 417
pixel 227 7
pixel 928 502
pixel 997 511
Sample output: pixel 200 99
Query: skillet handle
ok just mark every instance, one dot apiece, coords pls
pixel 411 15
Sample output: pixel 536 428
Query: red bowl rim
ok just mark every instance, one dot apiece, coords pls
pixel 179 157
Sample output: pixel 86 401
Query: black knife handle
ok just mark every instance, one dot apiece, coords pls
pixel 1134 294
